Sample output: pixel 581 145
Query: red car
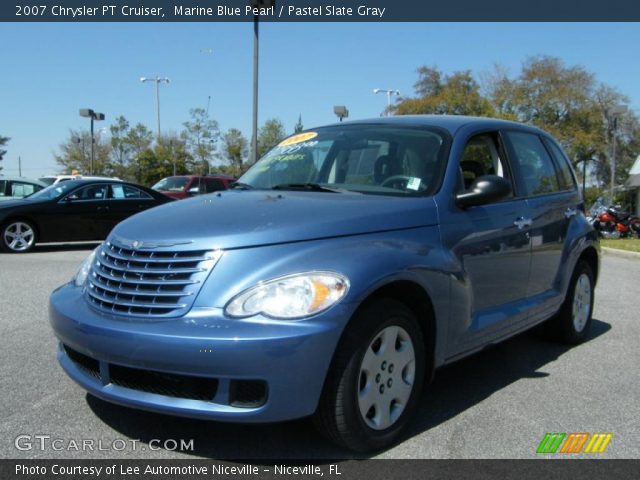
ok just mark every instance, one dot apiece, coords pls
pixel 185 186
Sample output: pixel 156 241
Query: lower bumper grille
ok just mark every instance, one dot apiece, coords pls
pixel 242 393
pixel 171 385
pixel 160 383
pixel 88 364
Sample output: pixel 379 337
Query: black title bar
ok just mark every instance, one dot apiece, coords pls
pixel 320 11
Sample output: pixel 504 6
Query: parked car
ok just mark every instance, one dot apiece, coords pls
pixel 12 188
pixel 71 211
pixel 184 186
pixel 344 267
pixel 53 179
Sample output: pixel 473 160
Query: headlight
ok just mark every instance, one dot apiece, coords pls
pixel 294 296
pixel 81 275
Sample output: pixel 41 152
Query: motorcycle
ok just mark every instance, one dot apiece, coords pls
pixel 613 222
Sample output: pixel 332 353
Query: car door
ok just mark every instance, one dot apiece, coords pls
pixel 79 215
pixel 553 200
pixel 126 200
pixel 492 249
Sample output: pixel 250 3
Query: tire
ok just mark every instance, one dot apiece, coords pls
pixel 371 390
pixel 572 323
pixel 18 236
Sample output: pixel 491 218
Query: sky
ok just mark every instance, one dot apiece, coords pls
pixel 51 70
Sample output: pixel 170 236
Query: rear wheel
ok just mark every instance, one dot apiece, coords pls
pixel 572 322
pixel 375 379
pixel 17 236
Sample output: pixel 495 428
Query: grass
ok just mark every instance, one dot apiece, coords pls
pixel 631 244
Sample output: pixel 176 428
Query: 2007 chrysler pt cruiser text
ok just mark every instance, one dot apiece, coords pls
pixel 340 271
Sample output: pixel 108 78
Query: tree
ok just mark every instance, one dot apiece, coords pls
pixel 429 82
pixel 235 148
pixel 298 127
pixel 75 154
pixel 3 142
pixel 270 134
pixel 570 104
pixel 139 140
pixel 201 134
pixel 121 149
pixel 171 151
pixel 455 94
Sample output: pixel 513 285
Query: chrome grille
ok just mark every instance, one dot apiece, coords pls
pixel 140 282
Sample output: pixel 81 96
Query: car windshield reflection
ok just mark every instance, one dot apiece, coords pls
pixel 52 192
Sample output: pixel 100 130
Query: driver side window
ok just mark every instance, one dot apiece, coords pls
pixel 90 192
pixel 481 156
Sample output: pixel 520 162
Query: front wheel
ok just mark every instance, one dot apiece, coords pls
pixel 375 379
pixel 571 324
pixel 17 236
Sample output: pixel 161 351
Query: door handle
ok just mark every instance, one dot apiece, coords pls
pixel 103 208
pixel 522 222
pixel 570 212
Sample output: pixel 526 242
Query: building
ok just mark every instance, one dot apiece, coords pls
pixel 633 186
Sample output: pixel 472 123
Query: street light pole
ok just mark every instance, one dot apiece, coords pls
pixel 158 80
pixel 87 112
pixel 254 126
pixel 389 93
pixel 256 4
pixel 613 115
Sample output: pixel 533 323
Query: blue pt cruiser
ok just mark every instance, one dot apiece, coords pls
pixel 340 271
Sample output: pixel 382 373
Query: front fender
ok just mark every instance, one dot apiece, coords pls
pixel 369 261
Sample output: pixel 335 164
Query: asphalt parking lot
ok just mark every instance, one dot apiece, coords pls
pixel 496 404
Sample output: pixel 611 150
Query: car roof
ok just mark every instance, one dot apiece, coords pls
pixel 79 177
pixel 89 181
pixel 451 123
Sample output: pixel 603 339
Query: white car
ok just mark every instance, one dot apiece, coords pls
pixel 53 179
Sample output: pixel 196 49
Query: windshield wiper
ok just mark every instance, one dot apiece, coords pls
pixel 312 187
pixel 241 186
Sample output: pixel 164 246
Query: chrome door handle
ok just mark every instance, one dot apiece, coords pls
pixel 570 212
pixel 522 222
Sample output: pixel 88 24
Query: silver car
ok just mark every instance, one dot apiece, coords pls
pixel 12 188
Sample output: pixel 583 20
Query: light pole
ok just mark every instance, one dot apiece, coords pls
pixel 158 81
pixel 256 47
pixel 389 93
pixel 612 116
pixel 87 112
pixel 341 111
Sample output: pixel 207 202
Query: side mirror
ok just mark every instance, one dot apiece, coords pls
pixel 485 189
pixel 194 191
pixel 71 197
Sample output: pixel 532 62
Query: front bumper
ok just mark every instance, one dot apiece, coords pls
pixel 290 358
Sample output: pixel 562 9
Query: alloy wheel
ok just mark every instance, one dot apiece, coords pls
pixel 19 236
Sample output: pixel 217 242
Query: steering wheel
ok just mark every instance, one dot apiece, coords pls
pixel 399 182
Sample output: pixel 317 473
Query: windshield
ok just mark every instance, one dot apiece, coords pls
pixel 372 159
pixel 47 180
pixel 52 191
pixel 171 184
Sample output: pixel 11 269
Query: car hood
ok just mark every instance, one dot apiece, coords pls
pixel 240 218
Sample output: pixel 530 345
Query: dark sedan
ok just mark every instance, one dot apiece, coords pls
pixel 79 210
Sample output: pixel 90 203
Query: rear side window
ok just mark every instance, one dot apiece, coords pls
pixel 124 192
pixel 534 164
pixel 3 186
pixel 565 177
pixel 19 189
